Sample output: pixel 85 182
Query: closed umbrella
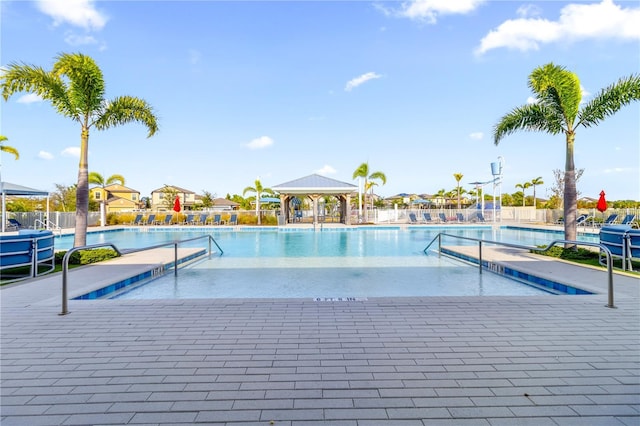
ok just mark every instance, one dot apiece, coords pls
pixel 176 207
pixel 602 203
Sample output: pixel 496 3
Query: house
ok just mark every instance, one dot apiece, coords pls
pixel 188 199
pixel 224 204
pixel 117 198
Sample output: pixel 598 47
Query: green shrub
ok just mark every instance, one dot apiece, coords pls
pixel 569 254
pixel 86 257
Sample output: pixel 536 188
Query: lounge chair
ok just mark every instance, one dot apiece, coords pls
pixel 628 219
pixel 633 246
pixel 610 220
pixel 151 220
pixel 13 223
pixel 215 220
pixel 202 219
pixel 460 218
pixel 582 219
pixel 412 218
pixel 167 219
pixel 479 217
pixel 426 217
pixel 233 220
pixel 442 217
pixel 137 220
pixel 189 220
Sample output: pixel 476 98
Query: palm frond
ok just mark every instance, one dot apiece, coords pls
pixel 10 150
pixel 361 171
pixel 86 82
pixel 115 179
pixel 378 175
pixel 533 117
pixel 610 100
pixel 127 109
pixel 559 89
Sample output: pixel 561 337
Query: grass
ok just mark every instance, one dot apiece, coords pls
pixel 584 257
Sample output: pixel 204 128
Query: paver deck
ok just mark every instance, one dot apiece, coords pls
pixel 541 360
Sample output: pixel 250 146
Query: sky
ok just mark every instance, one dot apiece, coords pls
pixel 279 90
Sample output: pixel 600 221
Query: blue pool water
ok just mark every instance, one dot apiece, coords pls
pixel 354 263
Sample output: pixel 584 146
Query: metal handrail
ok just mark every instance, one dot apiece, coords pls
pixel 48 225
pixel 67 256
pixel 603 248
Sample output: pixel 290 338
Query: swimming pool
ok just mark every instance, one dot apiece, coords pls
pixel 337 263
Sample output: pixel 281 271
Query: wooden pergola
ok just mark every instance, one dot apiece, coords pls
pixel 315 187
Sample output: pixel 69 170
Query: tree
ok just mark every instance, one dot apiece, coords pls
pixel 458 178
pixel 7 148
pixel 557 190
pixel 523 186
pixel 535 182
pixel 64 198
pixel 96 178
pixel 363 172
pixel 75 87
pixel 259 190
pixel 557 110
pixel 169 195
pixel 207 199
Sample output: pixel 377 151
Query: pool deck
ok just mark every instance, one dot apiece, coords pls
pixel 534 360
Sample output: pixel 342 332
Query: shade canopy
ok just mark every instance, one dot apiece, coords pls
pixel 8 188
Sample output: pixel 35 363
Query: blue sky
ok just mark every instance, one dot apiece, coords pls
pixel 280 90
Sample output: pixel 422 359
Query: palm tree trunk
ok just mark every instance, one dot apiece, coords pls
pixel 82 191
pixel 570 192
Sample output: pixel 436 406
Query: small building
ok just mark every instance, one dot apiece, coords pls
pixel 117 198
pixel 188 199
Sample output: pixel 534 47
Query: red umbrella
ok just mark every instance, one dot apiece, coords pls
pixel 602 203
pixel 176 205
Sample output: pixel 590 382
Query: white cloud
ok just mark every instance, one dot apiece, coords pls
pixel 353 83
pixel 326 170
pixel 261 142
pixel 476 135
pixel 531 100
pixel 72 151
pixel 430 10
pixel 576 22
pixel 194 56
pixel 79 40
pixel 529 11
pixel 44 155
pixel 29 98
pixel 80 13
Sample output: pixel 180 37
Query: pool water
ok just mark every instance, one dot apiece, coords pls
pixel 333 263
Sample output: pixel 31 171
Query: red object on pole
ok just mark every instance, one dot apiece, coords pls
pixel 602 203
pixel 176 205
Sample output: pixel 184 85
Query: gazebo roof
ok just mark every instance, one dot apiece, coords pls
pixel 14 189
pixel 315 184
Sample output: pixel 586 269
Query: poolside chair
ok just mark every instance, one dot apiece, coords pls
pixel 151 220
pixel 189 220
pixel 479 217
pixel 167 219
pixel 633 246
pixel 233 220
pixel 460 218
pixel 610 220
pixel 202 219
pixel 412 218
pixel 442 217
pixel 215 220
pixel 137 220
pixel 582 220
pixel 13 223
pixel 628 219
pixel 426 217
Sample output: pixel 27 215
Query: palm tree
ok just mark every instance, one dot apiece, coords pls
pixel 259 190
pixel 557 110
pixel 523 186
pixel 96 178
pixel 7 148
pixel 535 182
pixel 75 87
pixel 458 178
pixel 363 172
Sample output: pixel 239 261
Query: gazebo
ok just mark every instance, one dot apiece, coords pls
pixel 18 190
pixel 315 187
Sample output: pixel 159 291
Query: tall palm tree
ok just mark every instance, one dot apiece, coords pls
pixel 7 148
pixel 535 182
pixel 557 110
pixel 363 172
pixel 75 87
pixel 259 190
pixel 523 186
pixel 97 179
pixel 458 177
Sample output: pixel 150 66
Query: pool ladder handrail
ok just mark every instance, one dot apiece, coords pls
pixel 49 225
pixel 603 248
pixel 67 256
